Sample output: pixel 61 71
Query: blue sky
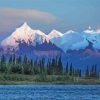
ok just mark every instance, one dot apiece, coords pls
pixel 46 15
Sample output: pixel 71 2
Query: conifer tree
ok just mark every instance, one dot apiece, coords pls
pixel 71 70
pixel 92 71
pixel 16 66
pixel 53 67
pixel 66 69
pixel 49 68
pixel 10 64
pixel 36 67
pixel 3 67
pixel 60 66
pixel 80 74
pixel 87 72
pixel 95 71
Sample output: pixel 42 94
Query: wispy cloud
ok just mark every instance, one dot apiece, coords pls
pixel 27 14
pixel 10 17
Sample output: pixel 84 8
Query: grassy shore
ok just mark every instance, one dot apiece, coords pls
pixel 48 79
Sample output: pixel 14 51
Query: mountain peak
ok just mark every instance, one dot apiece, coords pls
pixel 24 34
pixel 57 32
pixel 25 25
pixel 69 31
pixel 90 30
pixel 54 34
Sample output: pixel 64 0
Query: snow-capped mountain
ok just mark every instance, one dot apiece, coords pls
pixel 69 40
pixel 72 40
pixel 75 46
pixel 91 31
pixel 93 36
pixel 25 34
pixel 26 41
pixel 69 32
pixel 54 34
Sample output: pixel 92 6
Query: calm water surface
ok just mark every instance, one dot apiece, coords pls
pixel 49 92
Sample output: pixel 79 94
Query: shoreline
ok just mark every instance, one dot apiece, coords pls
pixel 46 83
pixel 20 79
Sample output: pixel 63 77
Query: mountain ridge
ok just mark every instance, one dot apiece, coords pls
pixel 66 41
pixel 72 46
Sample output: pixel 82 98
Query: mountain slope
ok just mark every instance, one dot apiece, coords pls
pixel 81 48
pixel 54 34
pixel 26 41
pixel 72 40
pixel 26 34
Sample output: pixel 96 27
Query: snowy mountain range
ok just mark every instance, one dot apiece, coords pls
pixel 26 41
pixel 70 40
pixel 30 42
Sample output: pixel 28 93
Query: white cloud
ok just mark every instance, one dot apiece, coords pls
pixel 27 14
pixel 10 17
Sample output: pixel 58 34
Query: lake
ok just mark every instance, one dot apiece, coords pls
pixel 49 92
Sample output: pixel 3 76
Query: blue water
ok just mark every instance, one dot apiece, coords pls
pixel 49 92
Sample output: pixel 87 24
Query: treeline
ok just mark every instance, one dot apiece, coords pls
pixel 91 72
pixel 54 66
pixel 23 65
